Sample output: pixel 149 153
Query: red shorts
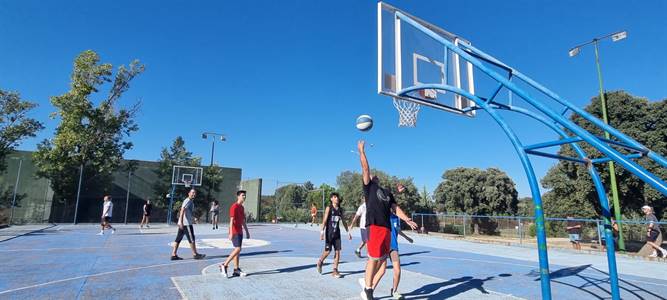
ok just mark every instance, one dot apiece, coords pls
pixel 379 239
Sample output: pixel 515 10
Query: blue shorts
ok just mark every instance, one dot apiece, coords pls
pixel 237 240
pixel 574 237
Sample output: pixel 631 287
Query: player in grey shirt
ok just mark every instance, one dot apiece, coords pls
pixel 653 233
pixel 185 221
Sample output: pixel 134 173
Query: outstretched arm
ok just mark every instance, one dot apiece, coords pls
pixel 365 169
pixel 401 215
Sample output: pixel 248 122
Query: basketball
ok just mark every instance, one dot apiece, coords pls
pixel 364 122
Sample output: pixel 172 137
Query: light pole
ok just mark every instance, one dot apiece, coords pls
pixel 16 186
pixel 213 136
pixel 617 36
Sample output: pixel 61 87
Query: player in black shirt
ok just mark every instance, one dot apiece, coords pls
pixel 379 204
pixel 333 216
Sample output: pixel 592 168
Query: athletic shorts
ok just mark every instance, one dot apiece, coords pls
pixel 147 214
pixel 215 213
pixel 106 219
pixel 335 243
pixel 188 231
pixel 574 237
pixel 237 240
pixel 379 238
pixel 364 234
pixel 653 236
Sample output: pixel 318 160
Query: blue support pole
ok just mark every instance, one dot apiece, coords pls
pixel 171 204
pixel 530 174
pixel 602 198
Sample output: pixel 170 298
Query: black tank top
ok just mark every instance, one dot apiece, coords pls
pixel 333 221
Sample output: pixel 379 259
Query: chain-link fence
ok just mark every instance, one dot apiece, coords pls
pixel 26 198
pixel 517 229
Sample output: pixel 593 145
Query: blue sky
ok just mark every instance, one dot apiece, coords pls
pixel 285 80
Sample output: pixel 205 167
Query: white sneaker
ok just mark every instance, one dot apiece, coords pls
pixel 397 295
pixel 113 231
pixel 654 254
pixel 664 254
pixel 100 233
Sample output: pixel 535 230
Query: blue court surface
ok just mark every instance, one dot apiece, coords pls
pixel 72 262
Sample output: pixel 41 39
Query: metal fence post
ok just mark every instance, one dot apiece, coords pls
pixel 597 230
pixel 464 225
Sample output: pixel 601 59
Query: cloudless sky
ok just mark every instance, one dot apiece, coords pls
pixel 285 80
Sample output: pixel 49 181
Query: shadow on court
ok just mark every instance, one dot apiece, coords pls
pixel 414 253
pixel 463 284
pixel 598 287
pixel 249 254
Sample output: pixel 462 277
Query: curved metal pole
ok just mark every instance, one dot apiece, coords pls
pixel 532 181
pixel 602 197
pixel 631 166
pixel 586 115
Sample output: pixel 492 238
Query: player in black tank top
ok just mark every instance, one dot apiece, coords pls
pixel 333 216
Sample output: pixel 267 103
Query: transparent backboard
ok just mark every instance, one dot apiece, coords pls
pixel 184 175
pixel 409 57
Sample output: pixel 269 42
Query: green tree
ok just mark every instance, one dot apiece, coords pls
pixel 350 186
pixel 15 125
pixel 315 195
pixel 570 189
pixel 477 192
pixel 175 155
pixel 290 198
pixel 89 135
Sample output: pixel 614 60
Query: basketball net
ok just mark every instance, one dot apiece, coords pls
pixel 407 112
pixel 187 183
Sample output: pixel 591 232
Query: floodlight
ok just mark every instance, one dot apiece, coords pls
pixel 574 51
pixel 619 36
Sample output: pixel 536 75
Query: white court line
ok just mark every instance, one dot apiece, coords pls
pixel 80 248
pixel 531 267
pixel 97 275
pixel 178 288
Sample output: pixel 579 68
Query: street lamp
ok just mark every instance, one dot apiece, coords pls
pixel 18 175
pixel 615 37
pixel 213 135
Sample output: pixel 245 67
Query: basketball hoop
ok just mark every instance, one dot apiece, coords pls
pixel 407 112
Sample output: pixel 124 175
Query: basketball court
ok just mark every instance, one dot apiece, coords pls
pixel 71 262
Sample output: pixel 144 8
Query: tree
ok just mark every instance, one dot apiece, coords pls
pixel 94 137
pixel 477 192
pixel 176 155
pixel 315 195
pixel 350 186
pixel 15 125
pixel 289 198
pixel 570 189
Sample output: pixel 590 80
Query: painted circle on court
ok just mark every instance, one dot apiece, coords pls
pixel 221 243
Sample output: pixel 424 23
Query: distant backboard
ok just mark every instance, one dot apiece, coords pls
pixel 408 57
pixel 185 175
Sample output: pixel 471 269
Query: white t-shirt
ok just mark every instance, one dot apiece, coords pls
pixel 361 212
pixel 107 209
pixel 189 206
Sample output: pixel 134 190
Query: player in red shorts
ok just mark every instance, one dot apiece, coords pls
pixel 379 204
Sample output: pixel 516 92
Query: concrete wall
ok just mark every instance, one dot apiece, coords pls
pixel 36 203
pixel 253 188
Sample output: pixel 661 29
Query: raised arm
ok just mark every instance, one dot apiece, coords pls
pixel 365 169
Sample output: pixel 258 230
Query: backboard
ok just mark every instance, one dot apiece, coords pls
pixel 184 175
pixel 408 57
